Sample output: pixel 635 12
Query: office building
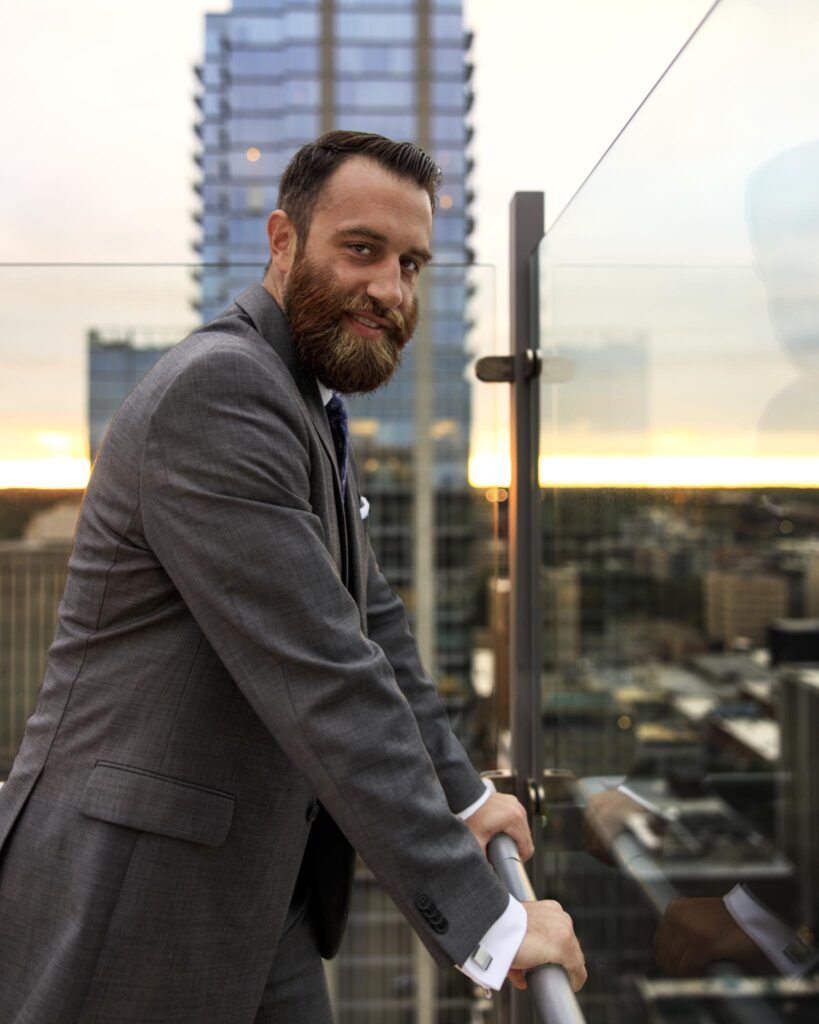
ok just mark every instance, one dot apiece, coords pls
pixel 274 76
pixel 741 605
pixel 117 361
pixel 798 805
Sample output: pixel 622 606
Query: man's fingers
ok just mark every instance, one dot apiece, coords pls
pixel 550 939
pixel 519 831
pixel 502 813
pixel 577 974
pixel 572 959
pixel 517 826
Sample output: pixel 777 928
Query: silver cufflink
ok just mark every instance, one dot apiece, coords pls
pixel 482 958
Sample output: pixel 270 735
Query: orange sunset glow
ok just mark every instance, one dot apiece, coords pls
pixel 494 470
pixel 44 474
pixel 44 460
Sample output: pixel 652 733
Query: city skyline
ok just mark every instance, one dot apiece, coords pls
pixel 128 163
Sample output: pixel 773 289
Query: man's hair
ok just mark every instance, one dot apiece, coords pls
pixel 311 166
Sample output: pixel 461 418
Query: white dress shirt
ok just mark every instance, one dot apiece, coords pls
pixel 499 945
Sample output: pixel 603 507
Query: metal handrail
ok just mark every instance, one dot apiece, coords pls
pixel 551 994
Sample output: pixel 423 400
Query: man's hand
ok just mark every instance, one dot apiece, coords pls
pixel 607 814
pixel 502 813
pixel 549 939
pixel 696 931
pixel 605 817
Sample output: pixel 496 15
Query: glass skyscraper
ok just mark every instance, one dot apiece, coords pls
pixel 117 362
pixel 275 75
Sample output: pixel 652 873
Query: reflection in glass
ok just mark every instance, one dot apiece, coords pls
pixel 679 473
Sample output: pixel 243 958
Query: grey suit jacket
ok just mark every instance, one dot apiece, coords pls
pixel 227 655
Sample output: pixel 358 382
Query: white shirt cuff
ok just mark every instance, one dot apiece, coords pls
pixel 780 944
pixel 497 948
pixel 469 811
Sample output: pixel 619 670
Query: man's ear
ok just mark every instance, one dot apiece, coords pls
pixel 281 237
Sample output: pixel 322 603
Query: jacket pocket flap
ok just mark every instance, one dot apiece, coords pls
pixel 155 803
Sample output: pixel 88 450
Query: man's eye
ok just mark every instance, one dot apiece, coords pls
pixel 361 248
pixel 410 264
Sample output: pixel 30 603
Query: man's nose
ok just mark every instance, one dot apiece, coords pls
pixel 384 285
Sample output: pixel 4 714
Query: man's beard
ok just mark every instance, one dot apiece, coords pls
pixel 314 306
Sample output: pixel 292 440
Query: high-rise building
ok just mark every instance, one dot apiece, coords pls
pixel 117 361
pixel 277 74
pixel 798 805
pixel 742 604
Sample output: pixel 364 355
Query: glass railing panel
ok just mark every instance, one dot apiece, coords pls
pixel 679 294
pixel 76 339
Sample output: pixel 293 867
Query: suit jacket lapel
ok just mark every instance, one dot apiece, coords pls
pixel 269 321
pixel 356 540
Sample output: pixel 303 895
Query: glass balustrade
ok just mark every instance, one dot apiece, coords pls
pixel 679 476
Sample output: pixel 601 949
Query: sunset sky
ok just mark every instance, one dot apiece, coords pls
pixel 100 173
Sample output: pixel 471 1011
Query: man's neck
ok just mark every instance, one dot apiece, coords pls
pixel 273 288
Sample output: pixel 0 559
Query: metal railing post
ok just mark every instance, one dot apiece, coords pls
pixel 526 232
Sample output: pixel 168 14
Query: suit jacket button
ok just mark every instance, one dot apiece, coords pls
pixel 441 926
pixel 313 811
pixel 423 902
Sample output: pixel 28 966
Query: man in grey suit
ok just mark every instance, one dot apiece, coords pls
pixel 233 699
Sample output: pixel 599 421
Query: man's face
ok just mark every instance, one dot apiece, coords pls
pixel 350 295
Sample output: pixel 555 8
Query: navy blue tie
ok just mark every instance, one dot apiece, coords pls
pixel 337 415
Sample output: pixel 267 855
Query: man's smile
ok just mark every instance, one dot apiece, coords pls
pixel 365 325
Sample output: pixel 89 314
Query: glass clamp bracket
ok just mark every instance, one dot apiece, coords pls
pixel 501 369
pixel 554 791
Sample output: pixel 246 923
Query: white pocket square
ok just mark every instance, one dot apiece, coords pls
pixel 365 507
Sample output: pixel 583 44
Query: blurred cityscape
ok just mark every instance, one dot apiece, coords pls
pixel 681 648
pixel 681 651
